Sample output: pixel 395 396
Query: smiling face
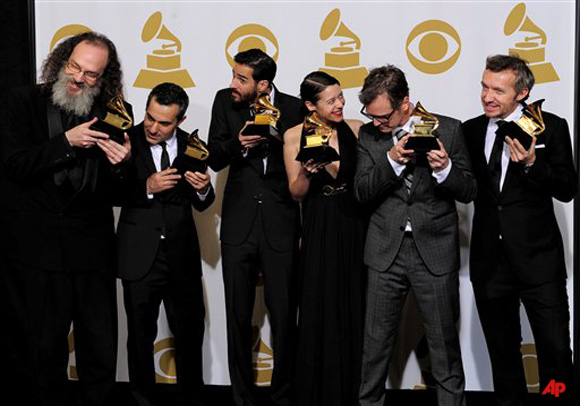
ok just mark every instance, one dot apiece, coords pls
pixel 160 121
pixel 499 97
pixel 85 66
pixel 329 105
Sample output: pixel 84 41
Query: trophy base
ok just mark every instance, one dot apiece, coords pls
pixel 184 163
pixel 114 133
pixel 422 143
pixel 514 131
pixel 318 154
pixel 263 130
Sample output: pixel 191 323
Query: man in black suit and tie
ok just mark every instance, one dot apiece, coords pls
pixel 517 253
pixel 65 177
pixel 413 239
pixel 259 227
pixel 158 250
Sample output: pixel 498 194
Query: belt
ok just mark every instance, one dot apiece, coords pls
pixel 328 190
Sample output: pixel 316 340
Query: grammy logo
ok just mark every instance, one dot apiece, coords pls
pixel 533 48
pixel 67 31
pixel 343 61
pixel 164 359
pixel 530 361
pixel 250 36
pixel 263 359
pixel 164 65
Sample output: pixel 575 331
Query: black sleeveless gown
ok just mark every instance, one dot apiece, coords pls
pixel 332 285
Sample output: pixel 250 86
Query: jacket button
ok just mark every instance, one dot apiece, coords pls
pixel 499 207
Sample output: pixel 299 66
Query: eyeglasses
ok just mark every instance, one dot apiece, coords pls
pixel 381 119
pixel 90 76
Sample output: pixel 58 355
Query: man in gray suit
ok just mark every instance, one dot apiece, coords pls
pixel 412 240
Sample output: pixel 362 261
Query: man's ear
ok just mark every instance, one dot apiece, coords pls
pixel 262 86
pixel 181 121
pixel 523 94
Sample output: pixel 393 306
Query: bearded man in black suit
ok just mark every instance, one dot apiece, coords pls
pixel 259 227
pixel 66 177
pixel 517 255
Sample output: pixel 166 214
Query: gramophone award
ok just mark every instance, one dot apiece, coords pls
pixel 422 138
pixel 343 61
pixel 266 116
pixel 315 141
pixel 529 126
pixel 194 158
pixel 164 65
pixel 116 121
pixel 533 47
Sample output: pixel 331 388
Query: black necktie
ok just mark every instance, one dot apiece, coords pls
pixel 494 163
pixel 164 156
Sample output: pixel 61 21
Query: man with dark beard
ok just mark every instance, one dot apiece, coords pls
pixel 66 176
pixel 259 222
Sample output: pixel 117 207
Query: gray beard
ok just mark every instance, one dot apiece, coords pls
pixel 79 105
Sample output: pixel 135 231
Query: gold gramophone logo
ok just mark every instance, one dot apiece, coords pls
pixel 67 31
pixel 164 359
pixel 249 36
pixel 263 359
pixel 433 46
pixel 343 61
pixel 164 64
pixel 530 360
pixel 533 47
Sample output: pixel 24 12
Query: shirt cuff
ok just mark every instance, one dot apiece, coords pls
pixel 442 175
pixel 203 196
pixel 397 167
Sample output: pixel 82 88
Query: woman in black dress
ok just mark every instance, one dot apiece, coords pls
pixel 332 276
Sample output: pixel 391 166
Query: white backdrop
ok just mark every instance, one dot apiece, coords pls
pixel 441 45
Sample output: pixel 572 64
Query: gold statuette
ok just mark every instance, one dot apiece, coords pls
pixel 529 126
pixel 422 138
pixel 265 119
pixel 194 158
pixel 315 141
pixel 117 120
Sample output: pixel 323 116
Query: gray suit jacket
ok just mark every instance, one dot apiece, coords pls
pixel 430 206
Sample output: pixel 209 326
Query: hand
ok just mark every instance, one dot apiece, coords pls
pixel 200 181
pixel 438 159
pixel 249 141
pixel 161 181
pixel 116 153
pixel 82 136
pixel 519 154
pixel 399 154
pixel 311 167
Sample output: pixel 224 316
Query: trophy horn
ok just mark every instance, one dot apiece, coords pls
pixel 314 125
pixel 154 29
pixel 333 27
pixel 428 120
pixel 532 121
pixel 264 103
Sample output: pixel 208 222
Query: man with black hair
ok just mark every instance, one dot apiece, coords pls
pixel 516 253
pixel 158 250
pixel 259 227
pixel 66 178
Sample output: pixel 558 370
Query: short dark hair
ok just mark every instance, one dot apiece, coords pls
pixel 524 76
pixel 111 81
pixel 263 65
pixel 167 94
pixel 388 80
pixel 314 83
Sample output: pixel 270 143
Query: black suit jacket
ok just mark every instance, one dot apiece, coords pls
pixel 60 229
pixel 522 213
pixel 143 220
pixel 247 185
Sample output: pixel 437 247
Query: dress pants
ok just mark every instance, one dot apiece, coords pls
pixel 498 304
pixel 182 295
pixel 438 305
pixel 241 265
pixel 88 300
